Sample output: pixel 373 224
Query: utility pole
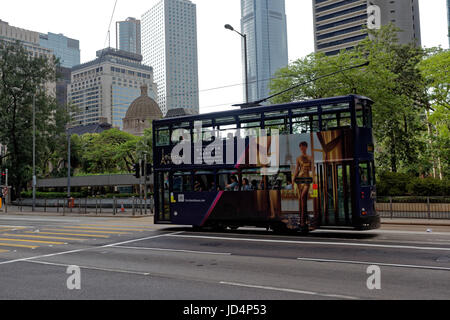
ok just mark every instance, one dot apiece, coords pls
pixel 244 37
pixel 7 187
pixel 34 152
pixel 69 164
pixel 145 182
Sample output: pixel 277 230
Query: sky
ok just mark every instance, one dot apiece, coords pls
pixel 219 50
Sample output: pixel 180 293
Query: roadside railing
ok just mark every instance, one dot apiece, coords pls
pixel 414 207
pixel 89 206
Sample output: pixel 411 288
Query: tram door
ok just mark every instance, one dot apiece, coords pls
pixel 334 180
pixel 163 197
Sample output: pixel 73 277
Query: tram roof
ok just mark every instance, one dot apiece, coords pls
pixel 269 108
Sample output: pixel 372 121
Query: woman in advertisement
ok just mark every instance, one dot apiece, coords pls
pixel 303 170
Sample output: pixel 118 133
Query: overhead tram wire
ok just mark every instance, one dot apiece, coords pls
pixel 258 102
pixel 257 81
pixel 234 106
pixel 108 34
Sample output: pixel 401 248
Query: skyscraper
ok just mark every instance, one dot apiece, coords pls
pixel 169 45
pixel 264 23
pixel 128 35
pixel 448 18
pixel 106 86
pixel 67 50
pixel 338 24
pixel 30 41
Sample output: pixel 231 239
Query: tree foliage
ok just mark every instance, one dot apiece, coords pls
pixel 393 79
pixel 21 78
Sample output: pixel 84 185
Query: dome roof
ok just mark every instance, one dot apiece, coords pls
pixel 144 107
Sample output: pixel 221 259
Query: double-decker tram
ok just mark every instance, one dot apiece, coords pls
pixel 297 166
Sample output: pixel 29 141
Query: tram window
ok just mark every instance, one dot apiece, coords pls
pixel 225 121
pixel 225 131
pixel 279 124
pixel 302 111
pixel 182 182
pixel 251 129
pixel 254 117
pixel 368 116
pixel 305 124
pixel 335 107
pixel 162 138
pixel 204 182
pixel 227 181
pixel 365 174
pixel 301 125
pixel 281 181
pixel 345 120
pixel 253 176
pixel 359 116
pixel 329 121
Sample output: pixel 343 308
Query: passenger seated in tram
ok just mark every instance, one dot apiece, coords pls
pixel 246 185
pixel 233 185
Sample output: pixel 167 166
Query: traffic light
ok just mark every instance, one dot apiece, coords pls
pixel 149 169
pixel 137 170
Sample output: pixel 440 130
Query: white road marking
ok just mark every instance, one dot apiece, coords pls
pixel 378 232
pixel 38 219
pixel 343 244
pixel 375 263
pixel 84 249
pixel 176 250
pixel 12 227
pixel 310 293
pixel 89 268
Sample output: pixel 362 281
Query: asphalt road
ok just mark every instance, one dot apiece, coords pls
pixel 125 258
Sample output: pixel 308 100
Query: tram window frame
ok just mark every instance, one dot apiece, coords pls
pixel 344 106
pixel 228 174
pixel 345 115
pixel 184 184
pixel 252 126
pixel 253 117
pixel 250 174
pixel 225 121
pixel 305 111
pixel 365 167
pixel 281 124
pixel 359 115
pixel 210 177
pixel 313 124
pixel 330 121
pixel 368 116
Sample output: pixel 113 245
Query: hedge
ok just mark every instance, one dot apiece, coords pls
pixel 399 184
pixel 76 195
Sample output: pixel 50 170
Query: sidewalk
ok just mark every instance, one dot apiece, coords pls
pixel 40 213
pixel 415 222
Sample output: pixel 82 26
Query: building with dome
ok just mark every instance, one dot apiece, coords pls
pixel 141 114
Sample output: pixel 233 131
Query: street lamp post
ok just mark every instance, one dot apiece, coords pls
pixel 244 36
pixel 69 164
pixel 34 153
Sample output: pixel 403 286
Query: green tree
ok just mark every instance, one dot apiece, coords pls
pixel 112 151
pixel 392 80
pixel 435 71
pixel 21 78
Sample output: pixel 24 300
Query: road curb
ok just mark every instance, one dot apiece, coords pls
pixel 73 215
pixel 413 223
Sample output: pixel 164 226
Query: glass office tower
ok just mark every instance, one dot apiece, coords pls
pixel 264 23
pixel 128 35
pixel 64 48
